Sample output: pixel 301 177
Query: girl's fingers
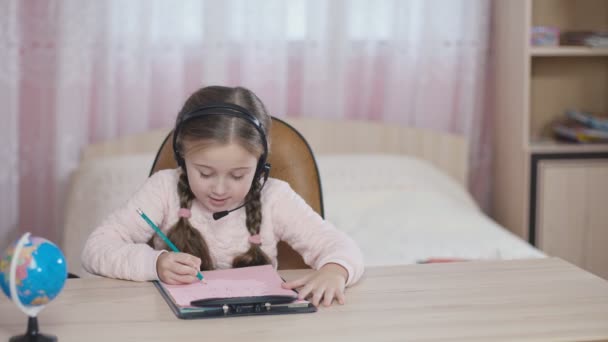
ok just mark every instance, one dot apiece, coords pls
pixel 328 297
pixel 340 297
pixel 181 269
pixel 187 259
pixel 305 291
pixel 317 289
pixel 295 283
pixel 166 278
pixel 179 279
pixel 317 296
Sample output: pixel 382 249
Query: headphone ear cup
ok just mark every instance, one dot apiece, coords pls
pixel 178 158
pixel 266 171
pixel 262 170
pixel 180 161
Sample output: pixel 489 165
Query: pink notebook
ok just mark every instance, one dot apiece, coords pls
pixel 236 282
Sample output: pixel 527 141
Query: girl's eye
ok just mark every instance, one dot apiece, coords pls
pixel 204 175
pixel 237 177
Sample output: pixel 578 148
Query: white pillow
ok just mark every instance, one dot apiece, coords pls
pixel 375 172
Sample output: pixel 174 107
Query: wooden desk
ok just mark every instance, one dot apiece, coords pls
pixel 525 300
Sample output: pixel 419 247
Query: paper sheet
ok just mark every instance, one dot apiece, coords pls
pixel 237 282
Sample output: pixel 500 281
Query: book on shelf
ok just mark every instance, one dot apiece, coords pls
pixel 596 39
pixel 588 119
pixel 544 36
pixel 576 134
pixel 575 131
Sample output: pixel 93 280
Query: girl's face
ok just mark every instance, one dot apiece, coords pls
pixel 220 175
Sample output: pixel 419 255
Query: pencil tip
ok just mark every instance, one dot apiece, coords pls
pixel 139 211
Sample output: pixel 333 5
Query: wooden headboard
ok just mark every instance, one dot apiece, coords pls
pixel 448 152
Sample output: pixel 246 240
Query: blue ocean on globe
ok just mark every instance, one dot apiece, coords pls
pixel 41 271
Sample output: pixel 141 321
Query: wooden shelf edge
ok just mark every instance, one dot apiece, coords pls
pixel 549 146
pixel 565 51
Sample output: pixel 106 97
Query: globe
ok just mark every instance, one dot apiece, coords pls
pixel 40 272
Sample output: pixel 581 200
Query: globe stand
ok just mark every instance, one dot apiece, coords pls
pixel 32 334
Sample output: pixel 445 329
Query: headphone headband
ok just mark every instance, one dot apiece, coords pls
pixel 223 109
pixel 227 109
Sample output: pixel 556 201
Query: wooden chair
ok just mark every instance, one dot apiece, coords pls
pixel 292 161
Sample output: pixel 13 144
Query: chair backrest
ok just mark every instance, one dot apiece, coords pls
pixel 292 160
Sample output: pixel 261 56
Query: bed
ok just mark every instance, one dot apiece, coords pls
pixel 399 192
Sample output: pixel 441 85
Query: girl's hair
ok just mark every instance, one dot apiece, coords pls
pixel 220 129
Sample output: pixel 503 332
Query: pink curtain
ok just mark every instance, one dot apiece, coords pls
pixel 75 72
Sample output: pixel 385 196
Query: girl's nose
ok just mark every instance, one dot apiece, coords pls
pixel 219 188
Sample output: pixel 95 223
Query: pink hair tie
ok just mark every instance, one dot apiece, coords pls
pixel 255 239
pixel 184 212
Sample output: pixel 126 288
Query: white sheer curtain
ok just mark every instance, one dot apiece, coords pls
pixel 75 72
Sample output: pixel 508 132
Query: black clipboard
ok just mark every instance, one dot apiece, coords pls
pixel 234 307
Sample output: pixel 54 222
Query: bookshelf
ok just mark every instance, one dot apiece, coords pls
pixel 546 191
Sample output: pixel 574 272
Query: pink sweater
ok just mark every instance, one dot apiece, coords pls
pixel 118 247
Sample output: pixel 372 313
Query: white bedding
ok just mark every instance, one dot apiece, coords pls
pixel 398 209
pixel 404 210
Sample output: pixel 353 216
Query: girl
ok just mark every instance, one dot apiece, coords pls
pixel 220 145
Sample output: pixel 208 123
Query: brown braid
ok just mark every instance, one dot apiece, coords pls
pixel 254 256
pixel 183 235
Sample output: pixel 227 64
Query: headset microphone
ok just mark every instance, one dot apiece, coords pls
pixel 220 214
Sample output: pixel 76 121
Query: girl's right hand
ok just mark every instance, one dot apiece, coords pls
pixel 177 268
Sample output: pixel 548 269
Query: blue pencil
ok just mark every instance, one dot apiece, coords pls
pixel 164 237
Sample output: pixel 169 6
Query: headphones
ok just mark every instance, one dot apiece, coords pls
pixel 262 168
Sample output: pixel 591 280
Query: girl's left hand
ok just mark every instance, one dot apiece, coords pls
pixel 324 284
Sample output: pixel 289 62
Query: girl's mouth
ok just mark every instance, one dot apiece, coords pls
pixel 218 201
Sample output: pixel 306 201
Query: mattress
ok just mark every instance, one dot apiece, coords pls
pixel 403 210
